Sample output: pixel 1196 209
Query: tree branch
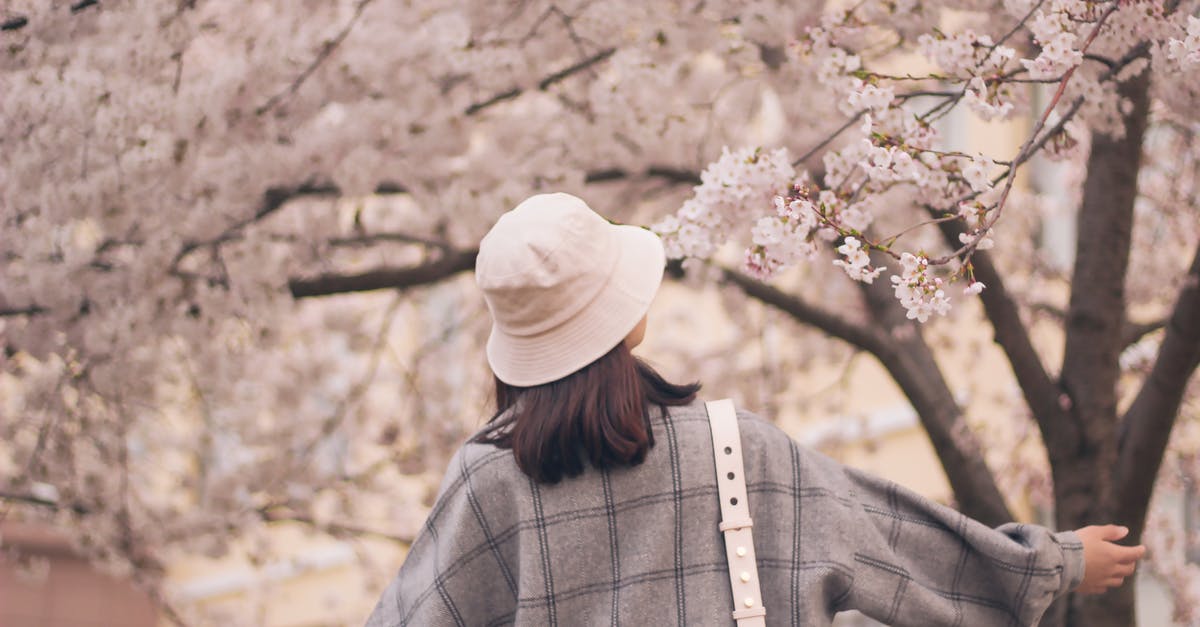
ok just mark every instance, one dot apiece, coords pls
pixel 1040 391
pixel 667 173
pixel 858 335
pixel 543 84
pixel 273 200
pixel 385 278
pixel 17 22
pixel 1132 332
pixel 911 363
pixel 370 239
pixel 271 515
pixel 828 140
pixel 326 51
pixel 899 347
pixel 29 499
pixel 1096 316
pixel 1147 424
pixel 31 310
pixel 14 23
pixel 563 74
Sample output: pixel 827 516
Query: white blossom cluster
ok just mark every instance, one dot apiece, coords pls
pixel 966 53
pixel 979 240
pixel 978 61
pixel 865 96
pixel 783 239
pixel 857 262
pixel 894 148
pixel 731 191
pixel 1187 49
pixel 1054 29
pixel 919 292
pixel 987 102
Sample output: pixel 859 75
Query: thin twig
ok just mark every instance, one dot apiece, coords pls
pixel 827 140
pixel 335 420
pixel 1026 151
pixel 30 499
pixel 1020 24
pixel 924 93
pixel 14 23
pixel 888 241
pixel 271 515
pixel 325 52
pixel 543 84
pixel 273 200
pixel 371 239
pixel 31 310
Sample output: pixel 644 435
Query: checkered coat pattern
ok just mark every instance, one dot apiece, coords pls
pixel 640 545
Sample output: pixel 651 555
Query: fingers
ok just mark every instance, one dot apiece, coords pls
pixel 1117 573
pixel 1101 587
pixel 1124 559
pixel 1108 564
pixel 1128 554
pixel 1112 533
pixel 1124 570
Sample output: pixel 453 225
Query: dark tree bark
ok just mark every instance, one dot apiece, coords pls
pixel 446 266
pixel 897 343
pixel 1083 468
pixel 911 363
pixel 1147 423
pixel 1041 393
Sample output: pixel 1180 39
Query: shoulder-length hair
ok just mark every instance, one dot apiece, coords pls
pixel 599 413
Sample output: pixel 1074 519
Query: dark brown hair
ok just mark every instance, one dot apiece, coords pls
pixel 599 413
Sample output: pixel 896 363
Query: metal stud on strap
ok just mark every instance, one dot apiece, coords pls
pixel 735 515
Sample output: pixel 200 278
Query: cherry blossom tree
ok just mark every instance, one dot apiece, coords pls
pixel 180 180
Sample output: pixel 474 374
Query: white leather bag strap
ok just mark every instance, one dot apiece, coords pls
pixel 735 515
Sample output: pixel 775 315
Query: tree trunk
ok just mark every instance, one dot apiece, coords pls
pixel 911 363
pixel 1146 427
pixel 1083 470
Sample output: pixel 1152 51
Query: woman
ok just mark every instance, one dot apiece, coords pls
pixel 590 497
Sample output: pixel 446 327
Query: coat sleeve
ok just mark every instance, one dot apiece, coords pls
pixel 450 575
pixel 916 562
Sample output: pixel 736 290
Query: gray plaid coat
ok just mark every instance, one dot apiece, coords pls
pixel 640 545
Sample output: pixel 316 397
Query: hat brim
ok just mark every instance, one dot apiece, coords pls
pixel 530 360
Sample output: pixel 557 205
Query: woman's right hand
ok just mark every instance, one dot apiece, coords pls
pixel 1105 564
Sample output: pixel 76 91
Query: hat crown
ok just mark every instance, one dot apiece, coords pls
pixel 543 262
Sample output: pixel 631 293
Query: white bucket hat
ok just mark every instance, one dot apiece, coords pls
pixel 564 287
